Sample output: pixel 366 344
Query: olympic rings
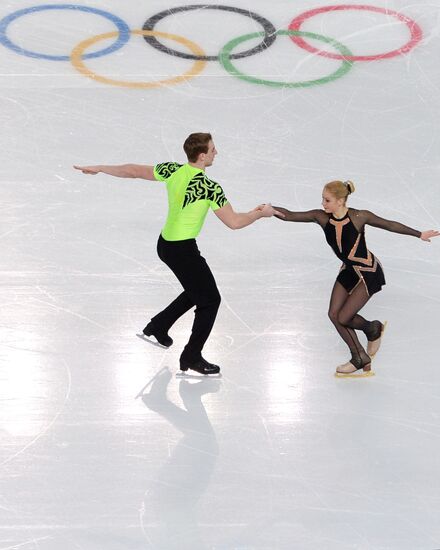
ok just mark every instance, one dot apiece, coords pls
pixel 268 40
pixel 225 60
pixel 123 33
pixel 77 56
pixel 415 30
pixel 268 36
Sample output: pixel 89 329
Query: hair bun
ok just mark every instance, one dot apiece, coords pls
pixel 350 186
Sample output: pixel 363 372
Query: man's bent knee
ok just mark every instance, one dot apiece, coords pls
pixel 211 301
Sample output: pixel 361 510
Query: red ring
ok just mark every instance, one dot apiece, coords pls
pixel 415 30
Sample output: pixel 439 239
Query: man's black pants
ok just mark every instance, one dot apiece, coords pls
pixel 200 290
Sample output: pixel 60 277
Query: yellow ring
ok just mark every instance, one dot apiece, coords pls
pixel 77 61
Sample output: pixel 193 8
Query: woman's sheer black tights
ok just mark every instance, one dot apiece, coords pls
pixel 343 312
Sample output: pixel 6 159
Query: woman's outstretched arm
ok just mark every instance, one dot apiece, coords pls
pixel 317 216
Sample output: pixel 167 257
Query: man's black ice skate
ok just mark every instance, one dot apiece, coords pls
pixel 202 366
pixel 161 336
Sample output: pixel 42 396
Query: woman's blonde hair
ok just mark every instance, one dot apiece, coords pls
pixel 340 189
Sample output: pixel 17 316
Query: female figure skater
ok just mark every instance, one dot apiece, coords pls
pixel 361 274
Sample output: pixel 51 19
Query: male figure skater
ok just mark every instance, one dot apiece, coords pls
pixel 190 195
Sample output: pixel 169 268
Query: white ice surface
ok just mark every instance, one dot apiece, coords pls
pixel 278 454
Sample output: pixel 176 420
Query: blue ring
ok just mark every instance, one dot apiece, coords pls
pixel 123 28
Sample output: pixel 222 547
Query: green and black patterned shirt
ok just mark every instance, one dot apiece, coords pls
pixel 190 195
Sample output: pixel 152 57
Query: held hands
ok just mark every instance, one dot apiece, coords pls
pixel 427 235
pixel 281 212
pixel 267 211
pixel 93 170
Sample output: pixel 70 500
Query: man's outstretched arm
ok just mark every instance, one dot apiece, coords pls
pixel 238 220
pixel 142 171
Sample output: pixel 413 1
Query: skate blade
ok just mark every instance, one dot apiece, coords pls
pixel 184 374
pixel 367 374
pixel 152 342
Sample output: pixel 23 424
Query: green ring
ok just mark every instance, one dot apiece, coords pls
pixel 225 60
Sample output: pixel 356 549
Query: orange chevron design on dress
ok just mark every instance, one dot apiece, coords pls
pixel 367 261
pixel 339 226
pixel 359 268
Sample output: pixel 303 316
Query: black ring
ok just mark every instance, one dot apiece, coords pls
pixel 268 39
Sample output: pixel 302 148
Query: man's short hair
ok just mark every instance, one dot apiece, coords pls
pixel 195 144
